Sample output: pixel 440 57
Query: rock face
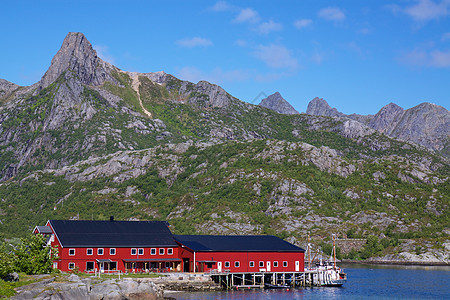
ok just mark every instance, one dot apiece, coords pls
pixel 320 107
pixel 6 88
pixel 77 55
pixel 426 124
pixel 277 103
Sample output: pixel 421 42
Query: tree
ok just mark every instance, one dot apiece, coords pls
pixel 34 256
pixel 6 262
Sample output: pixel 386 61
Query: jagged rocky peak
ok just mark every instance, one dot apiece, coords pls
pixel 388 115
pixel 320 107
pixel 277 103
pixel 6 88
pixel 77 55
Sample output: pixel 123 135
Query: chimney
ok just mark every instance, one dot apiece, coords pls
pixel 111 218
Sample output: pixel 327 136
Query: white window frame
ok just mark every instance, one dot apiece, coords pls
pixel 71 265
pixel 93 265
pixel 227 264
pixel 285 264
pixel 237 264
pixel 275 264
pixel 87 251
pixel 261 264
pixel 141 251
pixel 71 250
pixel 112 251
pixel 153 251
pixel 100 250
pixel 169 251
pixel 251 264
pixel 133 250
pixel 161 251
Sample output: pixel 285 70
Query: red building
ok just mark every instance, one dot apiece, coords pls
pixel 149 246
pixel 242 253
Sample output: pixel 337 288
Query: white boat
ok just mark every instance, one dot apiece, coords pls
pixel 327 273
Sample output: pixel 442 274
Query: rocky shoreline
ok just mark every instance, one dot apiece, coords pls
pixel 74 287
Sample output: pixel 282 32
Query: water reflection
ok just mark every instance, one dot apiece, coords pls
pixel 364 281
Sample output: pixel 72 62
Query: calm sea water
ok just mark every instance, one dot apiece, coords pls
pixel 375 282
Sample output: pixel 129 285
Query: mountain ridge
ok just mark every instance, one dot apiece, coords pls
pixel 426 124
pixel 82 146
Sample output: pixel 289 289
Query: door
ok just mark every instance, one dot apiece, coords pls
pixel 102 267
pixel 185 264
pixel 268 266
pixel 219 266
pixel 297 266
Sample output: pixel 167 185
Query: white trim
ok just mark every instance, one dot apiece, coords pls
pixel 161 251
pixel 275 264
pixel 114 251
pixel 135 251
pixel 251 264
pixel 170 250
pixel 285 264
pixel 53 230
pixel 103 251
pixel 227 263
pixel 87 251
pixel 74 252
pixel 71 263
pixel 237 264
pixel 140 251
pixel 151 250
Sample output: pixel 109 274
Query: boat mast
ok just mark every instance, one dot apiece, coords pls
pixel 309 252
pixel 334 250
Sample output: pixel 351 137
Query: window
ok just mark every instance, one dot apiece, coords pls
pixel 161 251
pixel 275 264
pixel 153 251
pixel 252 264
pixel 71 266
pixel 133 251
pixel 227 264
pixel 237 264
pixel 100 251
pixel 89 251
pixel 113 265
pixel 72 252
pixel 285 264
pixel 261 264
pixel 140 251
pixel 170 251
pixel 209 265
pixel 89 266
pixel 112 251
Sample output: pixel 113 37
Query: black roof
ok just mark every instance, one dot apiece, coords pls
pixel 74 233
pixel 250 243
pixel 44 229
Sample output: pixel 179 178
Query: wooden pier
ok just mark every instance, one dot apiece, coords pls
pixel 256 280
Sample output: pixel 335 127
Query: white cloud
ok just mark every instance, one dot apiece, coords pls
pixel 217 75
pixel 425 10
pixel 241 43
pixel 422 58
pixel 247 15
pixel 332 14
pixel 302 23
pixel 103 53
pixel 440 59
pixel 221 6
pixel 267 27
pixel 445 37
pixel 276 56
pixel 364 31
pixel 194 42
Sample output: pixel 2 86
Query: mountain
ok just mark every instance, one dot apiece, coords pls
pixel 426 124
pixel 277 103
pixel 90 140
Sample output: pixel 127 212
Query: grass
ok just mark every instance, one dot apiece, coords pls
pixel 7 288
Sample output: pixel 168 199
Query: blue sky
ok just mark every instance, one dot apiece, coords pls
pixel 359 55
